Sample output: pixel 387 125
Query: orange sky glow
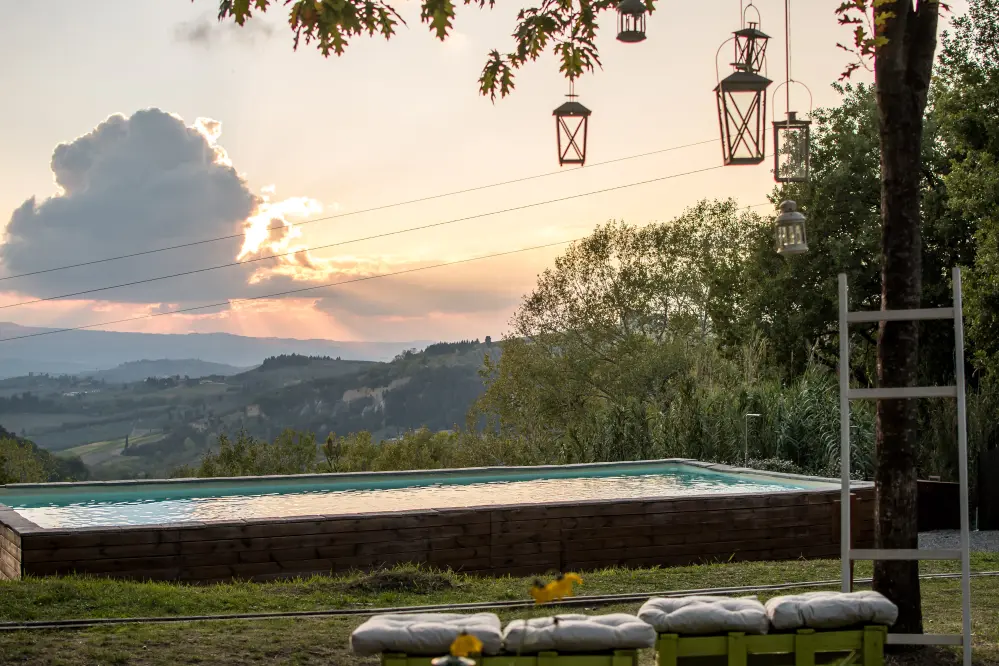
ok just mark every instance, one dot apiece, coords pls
pixel 387 123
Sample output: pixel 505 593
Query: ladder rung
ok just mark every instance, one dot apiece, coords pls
pixel 924 639
pixel 903 392
pixel 905 554
pixel 874 316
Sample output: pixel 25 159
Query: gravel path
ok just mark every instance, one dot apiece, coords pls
pixel 981 542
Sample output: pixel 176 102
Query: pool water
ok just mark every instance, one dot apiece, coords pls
pixel 206 502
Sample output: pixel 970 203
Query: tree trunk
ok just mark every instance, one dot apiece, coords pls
pixel 902 69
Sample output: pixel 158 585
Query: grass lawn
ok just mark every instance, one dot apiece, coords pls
pixel 96 453
pixel 324 640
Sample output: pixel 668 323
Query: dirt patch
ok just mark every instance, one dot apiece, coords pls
pixel 414 581
pixel 930 656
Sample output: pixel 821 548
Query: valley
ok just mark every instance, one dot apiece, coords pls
pixel 122 427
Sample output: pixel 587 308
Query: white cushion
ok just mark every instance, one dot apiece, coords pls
pixel 705 615
pixel 578 633
pixel 427 634
pixel 830 610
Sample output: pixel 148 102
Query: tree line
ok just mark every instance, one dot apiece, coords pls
pixel 656 340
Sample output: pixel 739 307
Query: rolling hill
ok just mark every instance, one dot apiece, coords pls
pixel 75 352
pixel 150 427
pixel 137 371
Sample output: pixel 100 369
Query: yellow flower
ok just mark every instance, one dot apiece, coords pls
pixel 465 645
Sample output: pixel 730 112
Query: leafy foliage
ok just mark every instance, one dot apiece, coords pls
pixel 967 101
pixel 22 461
pixel 869 20
pixel 794 301
pixel 569 26
pixel 289 453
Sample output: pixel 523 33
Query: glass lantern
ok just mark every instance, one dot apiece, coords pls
pixel 751 48
pixel 791 144
pixel 742 110
pixel 571 124
pixel 631 21
pixel 790 230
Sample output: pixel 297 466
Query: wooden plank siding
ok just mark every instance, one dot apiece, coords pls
pixel 516 540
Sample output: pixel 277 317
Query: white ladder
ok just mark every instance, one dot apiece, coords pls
pixel 848 554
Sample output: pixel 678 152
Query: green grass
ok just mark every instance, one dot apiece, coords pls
pixel 96 453
pixel 325 640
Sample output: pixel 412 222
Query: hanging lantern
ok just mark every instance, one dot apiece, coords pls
pixel 791 141
pixel 571 120
pixel 742 111
pixel 790 230
pixel 630 21
pixel 751 48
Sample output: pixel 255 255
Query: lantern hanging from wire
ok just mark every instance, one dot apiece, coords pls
pixel 792 138
pixel 631 21
pixel 791 148
pixel 751 47
pixel 790 230
pixel 742 110
pixel 571 125
pixel 742 98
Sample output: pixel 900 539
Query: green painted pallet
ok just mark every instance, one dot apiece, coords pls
pixel 806 647
pixel 616 658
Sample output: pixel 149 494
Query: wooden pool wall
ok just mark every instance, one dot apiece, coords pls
pixel 519 540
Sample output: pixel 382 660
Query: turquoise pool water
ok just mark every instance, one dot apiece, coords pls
pixel 93 505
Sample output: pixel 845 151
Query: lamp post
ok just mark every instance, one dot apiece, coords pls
pixel 746 445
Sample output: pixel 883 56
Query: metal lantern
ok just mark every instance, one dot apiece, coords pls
pixel 742 110
pixel 631 21
pixel 790 230
pixel 791 142
pixel 751 48
pixel 571 119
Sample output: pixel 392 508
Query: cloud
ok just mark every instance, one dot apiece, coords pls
pixel 143 182
pixel 399 298
pixel 207 32
pixel 151 180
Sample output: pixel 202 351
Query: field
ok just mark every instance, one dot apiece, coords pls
pixel 325 640
pixel 96 453
pixel 89 417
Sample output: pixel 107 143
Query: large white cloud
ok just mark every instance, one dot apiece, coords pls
pixel 149 181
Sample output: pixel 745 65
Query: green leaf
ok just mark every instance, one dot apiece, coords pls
pixel 439 15
pixel 240 10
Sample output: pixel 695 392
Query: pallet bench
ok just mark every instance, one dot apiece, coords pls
pixel 805 647
pixel 615 658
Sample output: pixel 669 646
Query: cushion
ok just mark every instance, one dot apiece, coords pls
pixel 578 633
pixel 695 615
pixel 830 610
pixel 425 634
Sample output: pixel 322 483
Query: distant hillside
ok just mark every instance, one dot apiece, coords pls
pixel 136 371
pixel 74 352
pixel 152 426
pixel 434 388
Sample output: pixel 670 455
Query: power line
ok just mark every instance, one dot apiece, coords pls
pixel 358 212
pixel 358 240
pixel 306 289
pixel 293 291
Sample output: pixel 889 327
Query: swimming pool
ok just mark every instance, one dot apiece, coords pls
pixel 487 521
pixel 153 504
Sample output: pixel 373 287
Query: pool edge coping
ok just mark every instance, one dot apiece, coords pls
pixel 445 472
pixel 9 517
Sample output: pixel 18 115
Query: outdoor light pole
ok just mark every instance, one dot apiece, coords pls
pixel 746 446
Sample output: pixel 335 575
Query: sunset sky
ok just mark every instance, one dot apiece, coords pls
pixel 311 137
